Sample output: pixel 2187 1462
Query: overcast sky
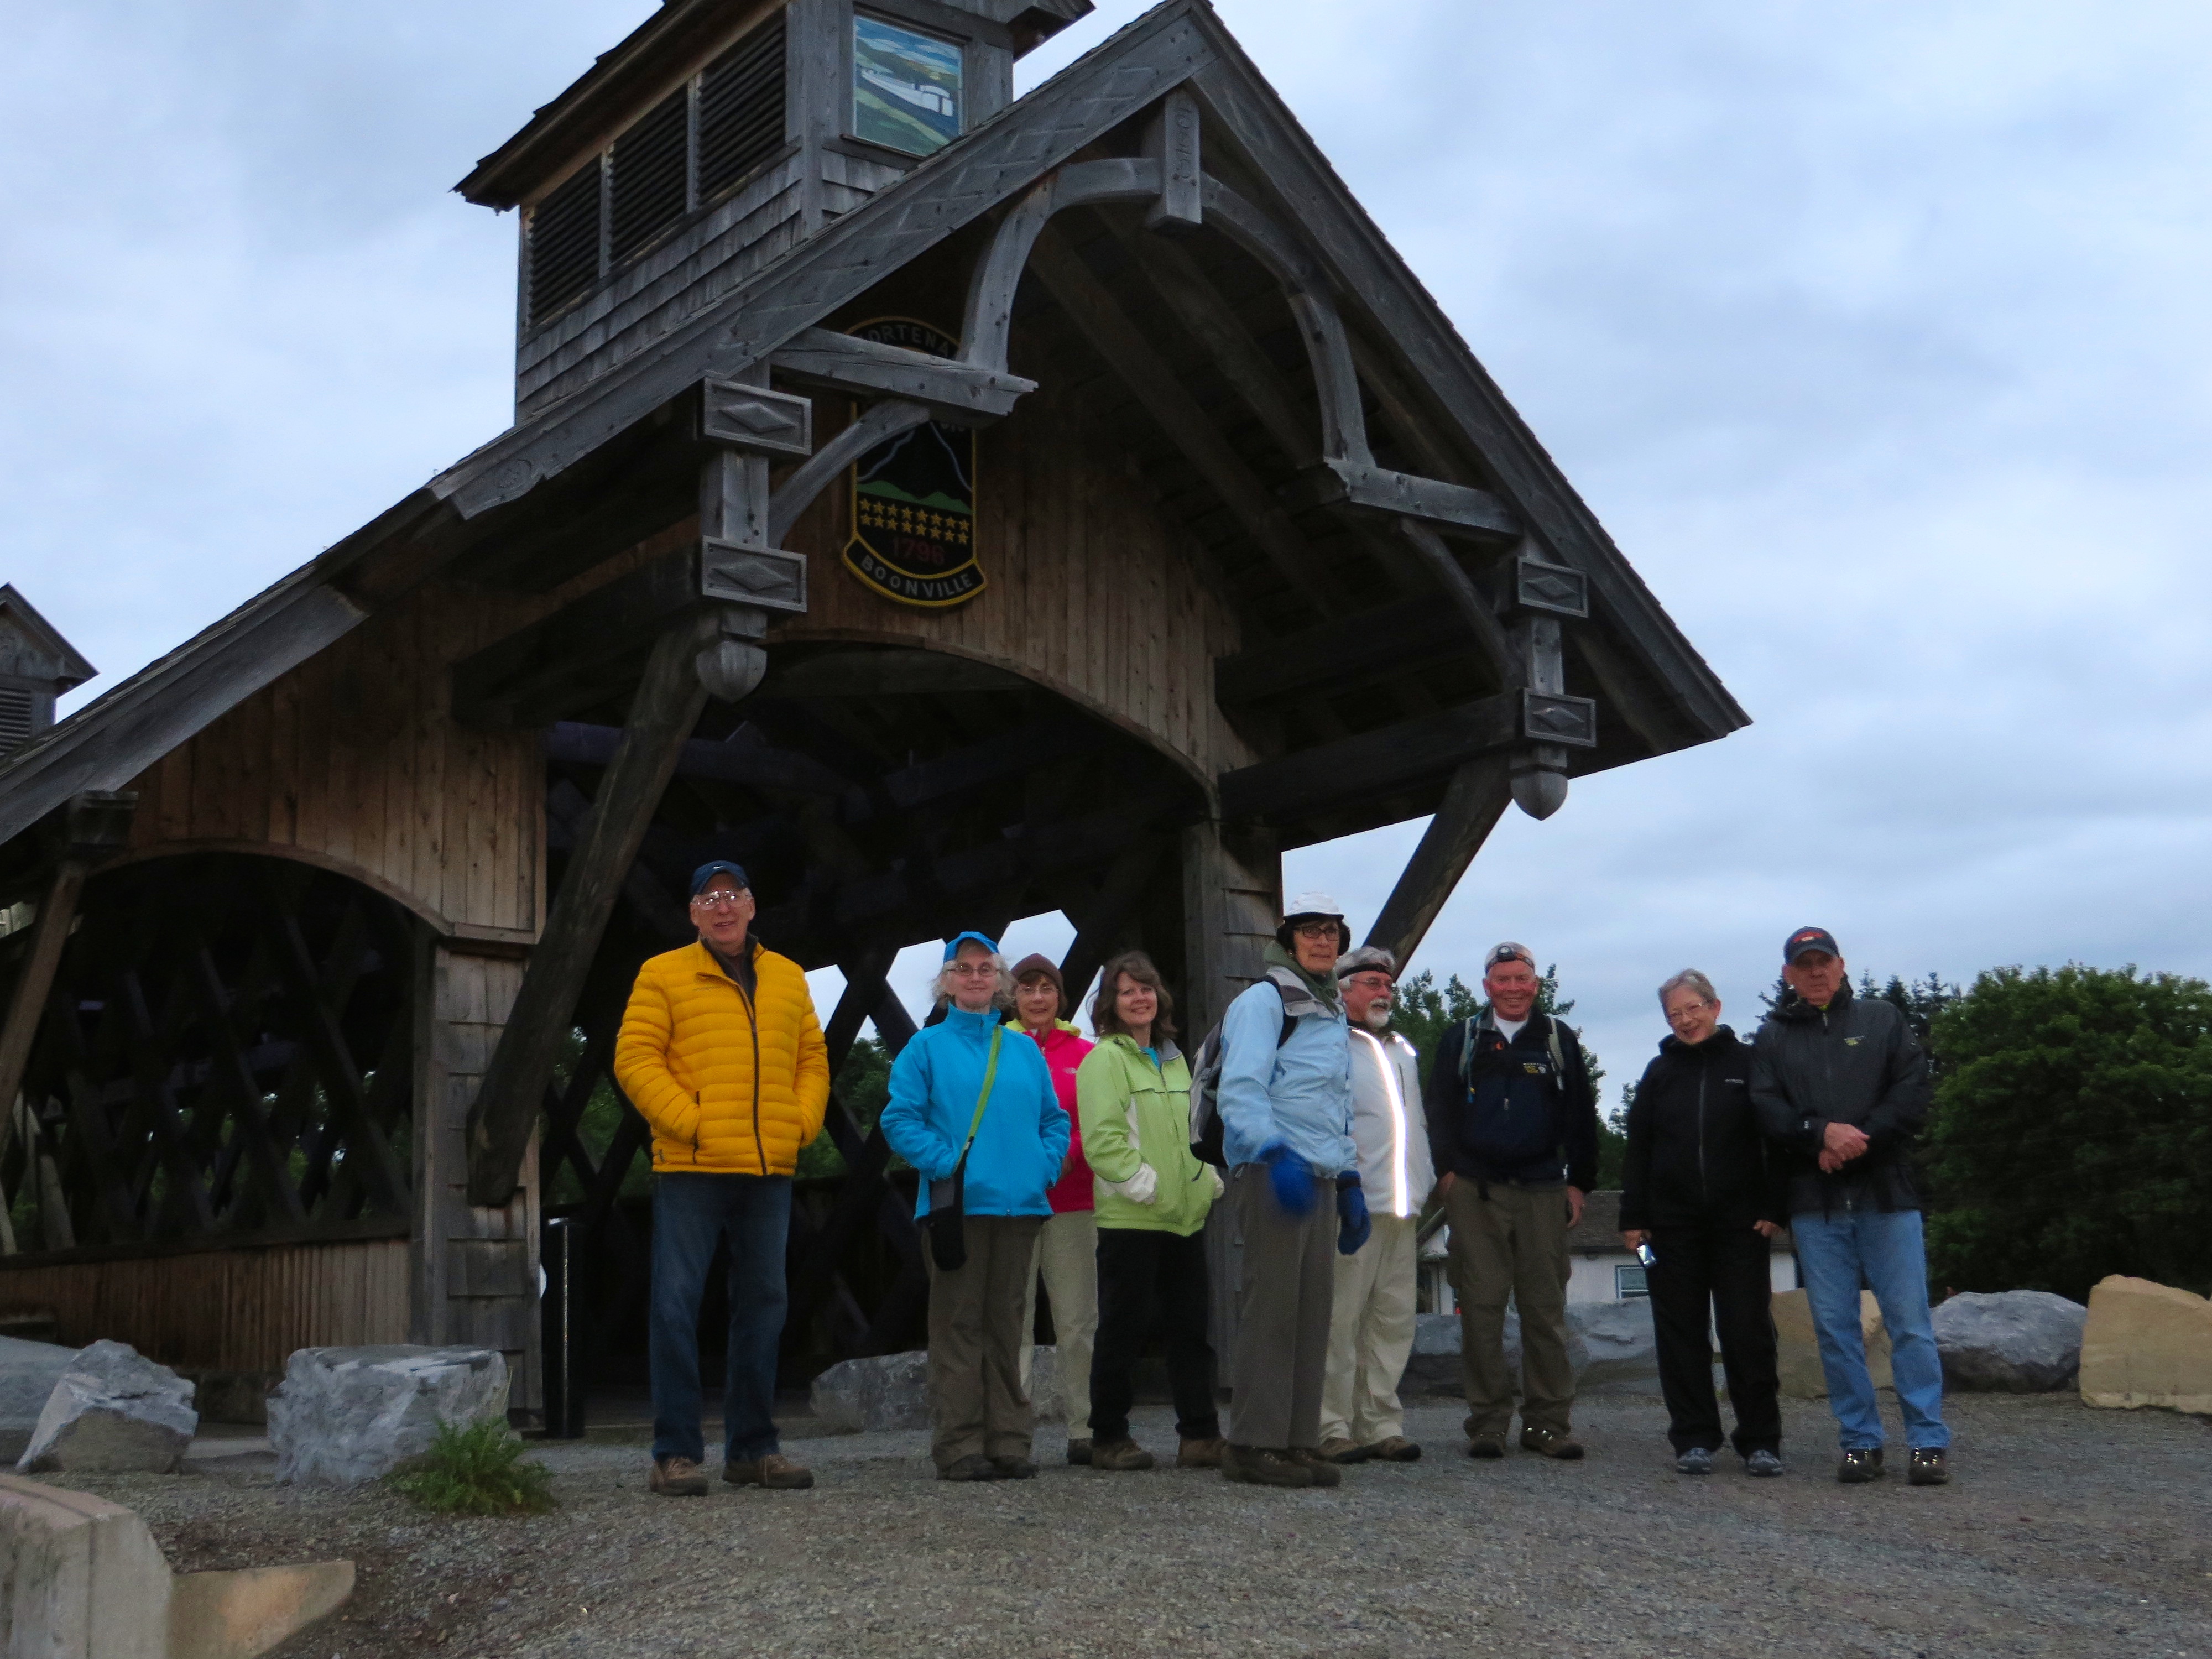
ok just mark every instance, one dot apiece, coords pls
pixel 1875 333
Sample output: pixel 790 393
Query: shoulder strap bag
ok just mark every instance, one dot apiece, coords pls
pixel 948 1239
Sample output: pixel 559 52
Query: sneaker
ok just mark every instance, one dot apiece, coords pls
pixel 1257 1465
pixel 1763 1463
pixel 974 1466
pixel 1200 1454
pixel 1551 1443
pixel 1013 1468
pixel 1930 1466
pixel 1486 1446
pixel 1860 1465
pixel 1120 1455
pixel 1699 1459
pixel 1343 1451
pixel 677 1477
pixel 1396 1449
pixel 1324 1472
pixel 1079 1451
pixel 775 1472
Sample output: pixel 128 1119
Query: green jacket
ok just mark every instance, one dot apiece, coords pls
pixel 1151 1180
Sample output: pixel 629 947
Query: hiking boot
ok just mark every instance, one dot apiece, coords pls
pixel 775 1472
pixel 1324 1472
pixel 1860 1465
pixel 1343 1451
pixel 1763 1463
pixel 1930 1466
pixel 1119 1455
pixel 1486 1446
pixel 974 1466
pixel 677 1477
pixel 1079 1451
pixel 1012 1468
pixel 1257 1465
pixel 1551 1443
pixel 1200 1454
pixel 1698 1459
pixel 1395 1448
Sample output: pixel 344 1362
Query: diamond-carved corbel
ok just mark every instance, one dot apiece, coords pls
pixel 753 418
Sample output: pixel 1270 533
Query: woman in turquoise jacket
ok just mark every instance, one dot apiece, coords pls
pixel 1133 1093
pixel 979 1415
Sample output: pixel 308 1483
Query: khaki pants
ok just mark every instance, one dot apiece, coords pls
pixel 976 1401
pixel 1512 1243
pixel 1370 1335
pixel 1067 1260
pixel 1284 1288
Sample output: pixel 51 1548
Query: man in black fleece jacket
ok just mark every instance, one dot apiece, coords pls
pixel 1698 1186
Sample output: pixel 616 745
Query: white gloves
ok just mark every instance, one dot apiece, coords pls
pixel 1220 1186
pixel 1142 1188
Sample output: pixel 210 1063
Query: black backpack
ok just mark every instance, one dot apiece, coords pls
pixel 1205 1144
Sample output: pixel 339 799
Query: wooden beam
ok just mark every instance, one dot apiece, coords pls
pixel 1390 637
pixel 1371 762
pixel 34 984
pixel 1397 495
pixel 956 392
pixel 1474 609
pixel 1473 802
pixel 1100 929
pixel 753 765
pixel 669 702
pixel 1130 356
pixel 1173 139
pixel 881 423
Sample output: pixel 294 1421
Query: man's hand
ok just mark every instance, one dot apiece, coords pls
pixel 1574 1207
pixel 1632 1237
pixel 1844 1140
pixel 1830 1163
pixel 1764 1229
pixel 1444 1184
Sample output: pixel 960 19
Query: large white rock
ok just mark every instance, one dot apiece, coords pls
pixel 891 1391
pixel 1797 1345
pixel 28 1372
pixel 2009 1342
pixel 113 1412
pixel 2146 1344
pixel 345 1415
pixel 1620 1346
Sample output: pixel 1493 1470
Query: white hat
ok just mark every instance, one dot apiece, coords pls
pixel 1313 904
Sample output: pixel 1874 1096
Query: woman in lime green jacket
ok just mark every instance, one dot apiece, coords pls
pixel 1133 1093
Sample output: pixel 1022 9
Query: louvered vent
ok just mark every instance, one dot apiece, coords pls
pixel 649 168
pixel 564 243
pixel 17 710
pixel 741 109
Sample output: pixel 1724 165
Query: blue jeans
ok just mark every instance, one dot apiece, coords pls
pixel 1836 1251
pixel 690 1213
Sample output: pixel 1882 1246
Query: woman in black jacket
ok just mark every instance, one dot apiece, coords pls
pixel 1700 1189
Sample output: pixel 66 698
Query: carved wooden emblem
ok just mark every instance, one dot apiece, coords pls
pixel 913 497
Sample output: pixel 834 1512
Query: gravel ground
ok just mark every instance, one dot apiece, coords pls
pixel 2068 1532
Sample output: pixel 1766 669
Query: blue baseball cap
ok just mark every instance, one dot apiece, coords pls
pixel 952 945
pixel 707 872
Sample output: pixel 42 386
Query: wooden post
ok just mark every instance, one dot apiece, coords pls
pixel 669 702
pixel 1232 883
pixel 35 983
pixel 1473 802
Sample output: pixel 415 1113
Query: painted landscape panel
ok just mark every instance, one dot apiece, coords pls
pixel 906 87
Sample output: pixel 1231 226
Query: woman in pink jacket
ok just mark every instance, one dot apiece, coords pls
pixel 1067 1250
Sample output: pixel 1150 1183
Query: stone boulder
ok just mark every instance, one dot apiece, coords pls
pixel 343 1416
pixel 2009 1342
pixel 28 1372
pixel 1798 1350
pixel 873 1395
pixel 113 1412
pixel 2146 1344
pixel 1434 1367
pixel 1620 1348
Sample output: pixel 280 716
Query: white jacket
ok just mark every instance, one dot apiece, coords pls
pixel 1387 1126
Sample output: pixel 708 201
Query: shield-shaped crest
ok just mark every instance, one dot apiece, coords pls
pixel 913 497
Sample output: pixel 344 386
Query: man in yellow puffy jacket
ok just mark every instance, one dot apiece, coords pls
pixel 722 1054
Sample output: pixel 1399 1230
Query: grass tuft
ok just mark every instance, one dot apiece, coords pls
pixel 477 1468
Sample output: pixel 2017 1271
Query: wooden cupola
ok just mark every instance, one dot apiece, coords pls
pixel 37 665
pixel 720 133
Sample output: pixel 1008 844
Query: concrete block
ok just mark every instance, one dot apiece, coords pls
pixel 113 1412
pixel 2009 1342
pixel 1797 1350
pixel 236 1615
pixel 343 1416
pixel 2146 1344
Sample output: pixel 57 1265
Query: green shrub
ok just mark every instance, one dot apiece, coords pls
pixel 477 1468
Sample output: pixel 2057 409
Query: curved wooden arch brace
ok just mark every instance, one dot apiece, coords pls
pixel 990 319
pixel 881 422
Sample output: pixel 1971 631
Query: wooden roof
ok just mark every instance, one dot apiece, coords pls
pixel 1429 398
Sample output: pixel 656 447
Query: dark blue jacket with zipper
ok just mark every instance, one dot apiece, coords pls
pixel 1855 1061
pixel 1696 1157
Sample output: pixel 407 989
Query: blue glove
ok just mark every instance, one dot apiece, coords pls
pixel 1354 1225
pixel 1293 1181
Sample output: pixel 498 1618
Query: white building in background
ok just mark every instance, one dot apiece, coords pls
pixel 1601 1270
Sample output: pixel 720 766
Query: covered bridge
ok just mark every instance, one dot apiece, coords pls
pixel 956 507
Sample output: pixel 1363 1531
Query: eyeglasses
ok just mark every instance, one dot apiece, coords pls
pixel 721 898
pixel 974 970
pixel 1315 930
pixel 1676 1015
pixel 1371 981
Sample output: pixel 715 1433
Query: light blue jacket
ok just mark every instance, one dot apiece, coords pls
pixel 1023 1137
pixel 1299 1093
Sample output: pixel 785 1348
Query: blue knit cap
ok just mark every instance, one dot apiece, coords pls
pixel 707 872
pixel 952 945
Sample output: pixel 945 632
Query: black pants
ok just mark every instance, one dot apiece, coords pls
pixel 1144 1276
pixel 1725 1271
